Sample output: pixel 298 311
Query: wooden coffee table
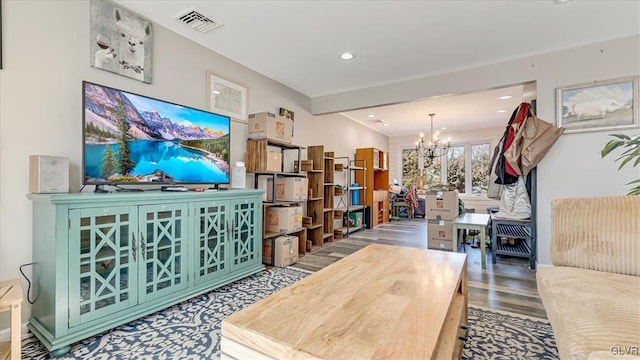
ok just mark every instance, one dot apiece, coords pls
pixel 382 301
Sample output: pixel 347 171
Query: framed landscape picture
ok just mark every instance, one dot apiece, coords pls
pixel 598 106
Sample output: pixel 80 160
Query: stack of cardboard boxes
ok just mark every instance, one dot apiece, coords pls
pixel 441 210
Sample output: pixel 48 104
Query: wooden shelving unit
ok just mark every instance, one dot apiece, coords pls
pixel 329 191
pixel 315 201
pixel 256 163
pixel 376 194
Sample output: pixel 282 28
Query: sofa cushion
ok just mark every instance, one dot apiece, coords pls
pixel 590 310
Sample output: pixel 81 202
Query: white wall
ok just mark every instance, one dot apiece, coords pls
pixel 573 167
pixel 45 60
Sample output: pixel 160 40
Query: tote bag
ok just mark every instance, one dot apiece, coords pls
pixel 538 136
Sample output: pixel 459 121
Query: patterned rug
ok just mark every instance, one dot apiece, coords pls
pixel 191 329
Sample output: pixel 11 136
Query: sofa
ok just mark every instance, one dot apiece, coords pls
pixel 592 292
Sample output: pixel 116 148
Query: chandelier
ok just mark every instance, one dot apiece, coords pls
pixel 433 149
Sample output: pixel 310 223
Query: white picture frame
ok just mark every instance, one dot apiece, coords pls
pixel 598 106
pixel 226 97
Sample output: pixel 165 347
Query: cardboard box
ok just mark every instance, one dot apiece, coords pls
pixel 288 189
pixel 274 161
pixel 266 125
pixel 283 219
pixel 437 244
pixel 442 205
pixel 281 251
pixel 440 235
pixel 338 223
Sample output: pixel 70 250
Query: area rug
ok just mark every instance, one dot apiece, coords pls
pixel 191 329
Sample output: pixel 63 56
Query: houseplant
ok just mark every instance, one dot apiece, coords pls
pixel 631 154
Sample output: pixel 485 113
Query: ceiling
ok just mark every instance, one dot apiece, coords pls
pixel 298 44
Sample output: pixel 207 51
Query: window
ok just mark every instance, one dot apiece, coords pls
pixel 409 167
pixel 455 165
pixel 480 168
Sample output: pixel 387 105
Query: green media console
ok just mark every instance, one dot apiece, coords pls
pixel 102 260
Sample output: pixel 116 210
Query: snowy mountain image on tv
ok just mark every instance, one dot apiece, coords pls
pixel 130 138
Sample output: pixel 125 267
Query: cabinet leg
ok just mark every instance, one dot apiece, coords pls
pixel 61 351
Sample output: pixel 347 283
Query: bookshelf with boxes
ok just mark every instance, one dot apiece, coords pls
pixel 441 209
pixel 376 194
pixel 270 157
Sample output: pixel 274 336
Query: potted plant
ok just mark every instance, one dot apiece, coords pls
pixel 631 154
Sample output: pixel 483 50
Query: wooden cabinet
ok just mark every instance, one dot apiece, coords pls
pixel 377 182
pixel 103 260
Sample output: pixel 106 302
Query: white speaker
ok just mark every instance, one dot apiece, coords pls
pixel 48 174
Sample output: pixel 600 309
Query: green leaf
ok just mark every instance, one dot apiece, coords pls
pixel 610 146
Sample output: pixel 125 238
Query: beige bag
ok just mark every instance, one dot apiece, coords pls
pixel 531 142
pixel 538 136
pixel 515 203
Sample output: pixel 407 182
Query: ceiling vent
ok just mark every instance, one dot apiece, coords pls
pixel 196 20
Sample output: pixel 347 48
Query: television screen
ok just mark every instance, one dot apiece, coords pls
pixel 135 139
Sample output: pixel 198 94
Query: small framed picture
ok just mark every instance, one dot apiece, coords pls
pixel 286 113
pixel 226 98
pixel 598 106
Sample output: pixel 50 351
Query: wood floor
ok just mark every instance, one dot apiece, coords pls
pixel 508 285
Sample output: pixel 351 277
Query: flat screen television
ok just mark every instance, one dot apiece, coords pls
pixel 134 139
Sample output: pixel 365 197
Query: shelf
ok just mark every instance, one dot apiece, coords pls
pixel 521 249
pixel 314 199
pixel 357 168
pixel 315 171
pixel 282 144
pixel 355 208
pixel 312 226
pixel 514 231
pixel 271 173
pixel 281 203
pixel 329 184
pixel 356 188
pixel 326 235
pixel 327 209
pixel 271 234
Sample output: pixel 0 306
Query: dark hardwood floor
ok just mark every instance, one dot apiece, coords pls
pixel 507 285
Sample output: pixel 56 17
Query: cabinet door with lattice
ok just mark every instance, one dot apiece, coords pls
pixel 245 250
pixel 103 256
pixel 163 250
pixel 213 223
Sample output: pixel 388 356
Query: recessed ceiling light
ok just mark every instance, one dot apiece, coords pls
pixel 443 128
pixel 347 56
pixel 502 111
pixel 561 1
pixel 372 116
pixel 385 124
pixel 216 92
pixel 505 97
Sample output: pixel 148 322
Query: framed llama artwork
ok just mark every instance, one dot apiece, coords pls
pixel 121 41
